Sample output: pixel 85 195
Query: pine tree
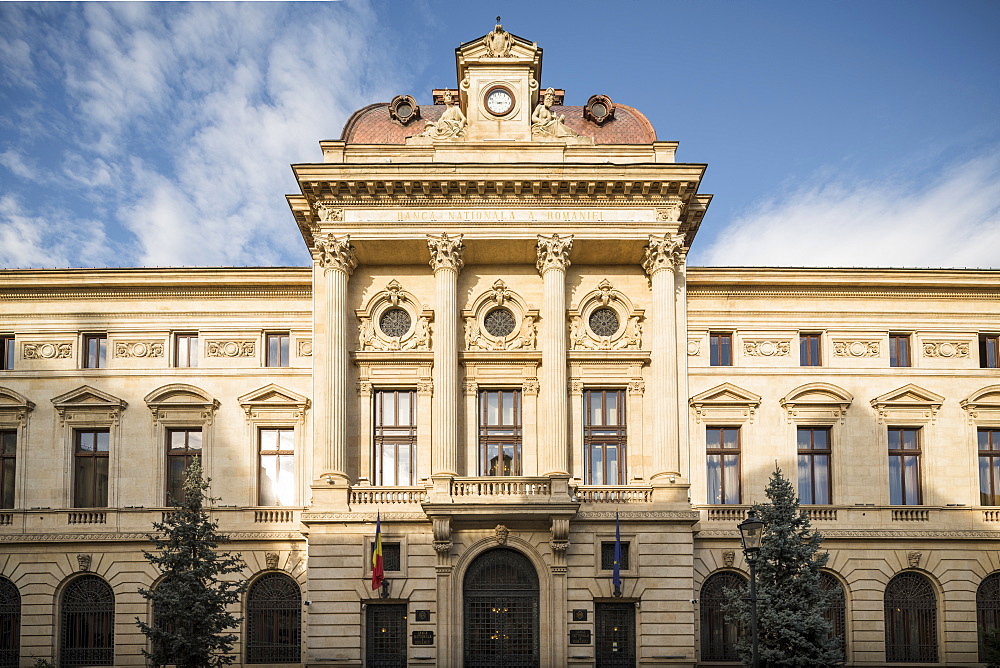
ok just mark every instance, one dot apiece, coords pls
pixel 792 629
pixel 190 616
pixel 989 640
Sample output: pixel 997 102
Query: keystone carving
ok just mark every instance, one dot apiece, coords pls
pixel 83 561
pixel 46 351
pixel 501 532
pixel 663 252
pixel 856 348
pixel 913 558
pixel 138 349
pixel 946 349
pixel 333 252
pixel 553 252
pixel 446 252
pixel 767 348
pixel 271 560
pixel 728 557
pixel 230 348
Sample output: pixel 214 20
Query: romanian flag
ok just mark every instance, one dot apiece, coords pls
pixel 378 574
pixel 616 573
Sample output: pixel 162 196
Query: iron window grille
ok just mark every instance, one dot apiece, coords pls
pixel 904 466
pixel 604 436
pixel 989 466
pixel 718 633
pixel 90 479
pixel 814 465
pixel 88 623
pixel 95 350
pixel 723 453
pixel 720 345
pixel 836 610
pixel 385 635
pixel 185 350
pixel 614 642
pixel 10 623
pixel 395 437
pixel 183 447
pixel 608 556
pixel 274 620
pixel 899 350
pixel 8 461
pixel 910 619
pixel 391 557
pixel 500 432
pixel 809 350
pixel 988 607
pixel 604 322
pixel 277 349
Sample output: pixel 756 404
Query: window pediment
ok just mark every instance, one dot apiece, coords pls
pixel 726 402
pixel 182 402
pixel 817 402
pixel 907 403
pixel 983 405
pixel 88 401
pixel 274 399
pixel 14 407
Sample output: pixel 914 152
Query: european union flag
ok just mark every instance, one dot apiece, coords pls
pixel 616 572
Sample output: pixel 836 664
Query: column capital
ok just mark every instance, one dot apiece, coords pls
pixel 333 252
pixel 663 252
pixel 446 252
pixel 553 252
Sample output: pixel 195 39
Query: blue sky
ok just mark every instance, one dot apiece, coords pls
pixel 836 133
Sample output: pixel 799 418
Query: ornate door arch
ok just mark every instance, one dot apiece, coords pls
pixel 500 624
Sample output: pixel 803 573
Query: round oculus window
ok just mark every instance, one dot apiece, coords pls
pixel 394 322
pixel 604 321
pixel 499 322
pixel 404 110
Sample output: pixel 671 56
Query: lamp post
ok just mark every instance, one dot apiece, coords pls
pixel 751 533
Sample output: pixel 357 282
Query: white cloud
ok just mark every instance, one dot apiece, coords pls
pixel 951 221
pixel 52 240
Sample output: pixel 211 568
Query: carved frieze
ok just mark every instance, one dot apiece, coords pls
pixel 766 348
pixel 46 351
pixel 328 212
pixel 304 347
pixel 138 349
pixel 946 349
pixel 663 252
pixel 856 348
pixel 337 253
pixel 671 213
pixel 553 252
pixel 446 251
pixel 224 348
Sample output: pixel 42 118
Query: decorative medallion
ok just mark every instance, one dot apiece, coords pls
pixel 498 42
pixel 138 349
pixel 767 348
pixel 946 349
pixel 856 348
pixel 45 351
pixel 404 110
pixel 394 322
pixel 499 322
pixel 230 348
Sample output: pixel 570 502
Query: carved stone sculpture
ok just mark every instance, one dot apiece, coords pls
pixel 663 252
pixel 83 561
pixel 553 252
pixel 271 560
pixel 501 533
pixel 913 558
pixel 545 122
pixel 498 42
pixel 451 125
pixel 333 252
pixel 44 351
pixel 446 252
pixel 728 557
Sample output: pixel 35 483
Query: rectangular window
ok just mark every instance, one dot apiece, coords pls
pixel 814 465
pixel 391 557
pixel 183 446
pixel 90 478
pixel 721 349
pixel 608 555
pixel 899 350
pixel 809 350
pixel 7 349
pixel 395 437
pixel 723 448
pixel 277 349
pixel 185 350
pixel 604 436
pixel 277 468
pixel 989 467
pixel 989 351
pixel 904 466
pixel 500 432
pixel 95 350
pixel 8 460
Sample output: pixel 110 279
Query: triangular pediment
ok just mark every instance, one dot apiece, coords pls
pixel 818 394
pixel 726 394
pixel 88 397
pixel 909 395
pixel 178 394
pixel 986 398
pixel 11 399
pixel 273 395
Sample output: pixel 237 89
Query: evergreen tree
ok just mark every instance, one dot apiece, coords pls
pixel 189 603
pixel 989 640
pixel 792 630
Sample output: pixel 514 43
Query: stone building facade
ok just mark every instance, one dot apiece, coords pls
pixel 499 348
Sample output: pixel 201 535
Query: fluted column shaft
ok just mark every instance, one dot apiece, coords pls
pixel 661 255
pixel 335 255
pixel 446 260
pixel 553 259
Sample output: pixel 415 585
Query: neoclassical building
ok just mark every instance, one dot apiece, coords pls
pixel 498 348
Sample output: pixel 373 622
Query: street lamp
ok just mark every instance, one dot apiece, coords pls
pixel 751 533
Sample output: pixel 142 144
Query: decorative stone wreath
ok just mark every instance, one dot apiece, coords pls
pixel 391 320
pixel 500 320
pixel 605 320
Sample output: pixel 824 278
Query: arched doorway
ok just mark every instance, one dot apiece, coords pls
pixel 501 611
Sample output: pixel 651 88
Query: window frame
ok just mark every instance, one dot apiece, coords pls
pixel 618 439
pixel 189 342
pixel 7 349
pixel 812 452
pixel 283 350
pixel 8 473
pixel 716 347
pixel 380 440
pixel 258 651
pixel 99 359
pixel 806 356
pixel 261 453
pixel 186 454
pixel 905 452
pixel 95 621
pixel 97 455
pixel 722 451
pixel 500 434
pixel 900 350
pixel 713 622
pixel 989 351
pixel 992 471
pixel 897 615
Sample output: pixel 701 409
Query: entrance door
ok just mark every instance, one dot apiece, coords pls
pixel 501 611
pixel 385 641
pixel 615 635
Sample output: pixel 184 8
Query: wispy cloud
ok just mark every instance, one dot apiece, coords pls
pixel 951 219
pixel 175 123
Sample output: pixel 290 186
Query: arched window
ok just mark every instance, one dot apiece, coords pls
pixel 274 620
pixel 718 634
pixel 836 611
pixel 910 619
pixel 10 623
pixel 988 605
pixel 88 623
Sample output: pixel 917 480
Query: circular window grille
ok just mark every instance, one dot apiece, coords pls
pixel 499 322
pixel 604 321
pixel 394 322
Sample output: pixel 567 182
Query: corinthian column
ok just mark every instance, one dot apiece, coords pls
pixel 553 259
pixel 662 254
pixel 335 257
pixel 446 261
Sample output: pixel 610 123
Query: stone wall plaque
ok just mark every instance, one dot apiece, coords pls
pixel 579 637
pixel 423 615
pixel 579 615
pixel 422 638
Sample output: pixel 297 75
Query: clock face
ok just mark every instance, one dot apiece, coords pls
pixel 499 101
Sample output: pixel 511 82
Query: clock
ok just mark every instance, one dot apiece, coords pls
pixel 499 101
